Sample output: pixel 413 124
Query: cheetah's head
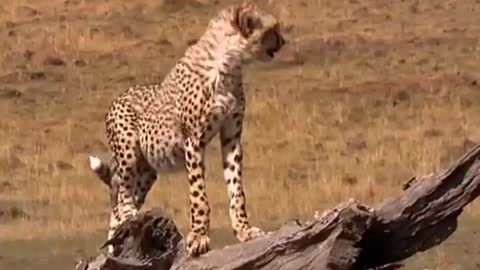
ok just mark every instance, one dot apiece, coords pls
pixel 259 31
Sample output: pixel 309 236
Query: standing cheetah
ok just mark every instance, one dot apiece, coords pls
pixel 164 127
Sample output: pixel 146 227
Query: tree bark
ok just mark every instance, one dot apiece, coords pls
pixel 350 236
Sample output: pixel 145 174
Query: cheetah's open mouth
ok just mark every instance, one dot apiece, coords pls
pixel 271 52
pixel 279 42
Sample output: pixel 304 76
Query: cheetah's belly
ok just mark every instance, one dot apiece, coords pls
pixel 163 149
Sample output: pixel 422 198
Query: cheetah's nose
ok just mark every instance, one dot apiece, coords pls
pixel 281 42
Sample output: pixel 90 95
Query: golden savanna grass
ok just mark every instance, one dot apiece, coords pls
pixel 382 91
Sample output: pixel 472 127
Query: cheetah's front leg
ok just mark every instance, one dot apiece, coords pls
pixel 198 241
pixel 230 137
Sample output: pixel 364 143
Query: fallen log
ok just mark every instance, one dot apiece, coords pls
pixel 350 236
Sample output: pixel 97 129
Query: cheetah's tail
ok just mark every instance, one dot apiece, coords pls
pixel 104 170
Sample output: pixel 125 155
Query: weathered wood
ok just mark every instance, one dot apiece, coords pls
pixel 327 242
pixel 150 240
pixel 351 236
pixel 424 215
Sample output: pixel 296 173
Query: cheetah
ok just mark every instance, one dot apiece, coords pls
pixel 160 128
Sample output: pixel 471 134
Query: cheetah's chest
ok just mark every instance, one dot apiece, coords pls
pixel 198 111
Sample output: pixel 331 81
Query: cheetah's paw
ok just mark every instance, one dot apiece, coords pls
pixel 197 244
pixel 249 234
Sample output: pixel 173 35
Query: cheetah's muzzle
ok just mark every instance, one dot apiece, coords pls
pixel 280 42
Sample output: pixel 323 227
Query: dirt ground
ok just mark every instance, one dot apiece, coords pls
pixel 367 94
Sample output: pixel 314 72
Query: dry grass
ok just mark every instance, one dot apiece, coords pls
pixel 389 90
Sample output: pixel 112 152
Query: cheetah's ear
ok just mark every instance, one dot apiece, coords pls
pixel 244 19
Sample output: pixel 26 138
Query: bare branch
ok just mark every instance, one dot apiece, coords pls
pixel 351 236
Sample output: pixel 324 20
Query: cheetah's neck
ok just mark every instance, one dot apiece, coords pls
pixel 218 49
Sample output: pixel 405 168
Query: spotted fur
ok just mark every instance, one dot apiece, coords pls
pixel 166 127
